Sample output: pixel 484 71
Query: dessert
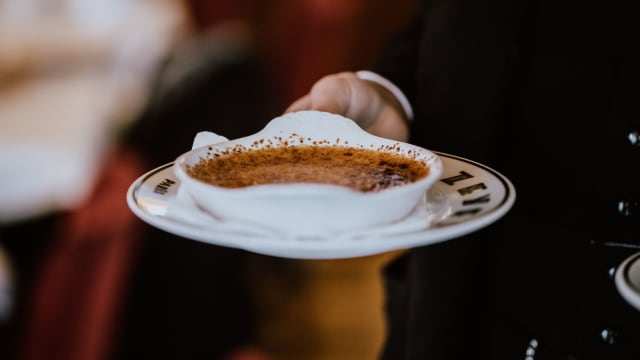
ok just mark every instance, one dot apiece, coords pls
pixel 362 169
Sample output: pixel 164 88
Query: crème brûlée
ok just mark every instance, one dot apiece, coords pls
pixel 362 169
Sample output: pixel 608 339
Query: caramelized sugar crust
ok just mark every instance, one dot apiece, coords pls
pixel 360 169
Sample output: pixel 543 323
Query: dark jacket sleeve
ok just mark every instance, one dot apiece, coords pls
pixel 398 60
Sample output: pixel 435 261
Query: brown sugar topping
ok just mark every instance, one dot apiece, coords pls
pixel 358 168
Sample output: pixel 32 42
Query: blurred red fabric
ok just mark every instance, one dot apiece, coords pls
pixel 74 305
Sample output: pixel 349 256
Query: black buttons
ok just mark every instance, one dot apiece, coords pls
pixel 609 336
pixel 628 207
pixel 631 206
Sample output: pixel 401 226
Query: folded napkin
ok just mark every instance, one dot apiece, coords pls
pixel 184 209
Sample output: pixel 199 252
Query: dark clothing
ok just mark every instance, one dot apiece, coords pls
pixel 547 93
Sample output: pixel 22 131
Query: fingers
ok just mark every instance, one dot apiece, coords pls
pixel 365 102
pixel 318 101
pixel 330 94
pixel 303 103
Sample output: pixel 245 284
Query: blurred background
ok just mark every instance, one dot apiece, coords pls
pixel 93 93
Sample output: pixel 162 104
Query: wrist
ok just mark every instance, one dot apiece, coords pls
pixel 391 88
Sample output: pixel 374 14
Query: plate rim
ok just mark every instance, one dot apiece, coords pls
pixel 327 250
pixel 627 289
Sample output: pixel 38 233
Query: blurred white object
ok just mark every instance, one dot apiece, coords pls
pixel 100 16
pixel 75 71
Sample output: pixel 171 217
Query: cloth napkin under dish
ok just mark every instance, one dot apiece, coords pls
pixel 183 209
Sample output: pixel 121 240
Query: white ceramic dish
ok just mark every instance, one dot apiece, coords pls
pixel 468 197
pixel 306 208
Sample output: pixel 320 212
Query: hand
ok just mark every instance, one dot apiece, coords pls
pixel 370 105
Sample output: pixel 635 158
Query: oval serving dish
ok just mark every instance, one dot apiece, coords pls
pixel 308 208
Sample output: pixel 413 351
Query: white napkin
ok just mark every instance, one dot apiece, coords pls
pixel 184 209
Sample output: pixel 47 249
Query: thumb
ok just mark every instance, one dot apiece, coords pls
pixel 332 93
pixel 303 103
pixel 319 102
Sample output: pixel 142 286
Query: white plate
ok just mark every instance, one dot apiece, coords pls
pixel 468 197
pixel 628 280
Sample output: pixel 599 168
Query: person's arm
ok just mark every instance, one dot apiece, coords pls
pixel 375 100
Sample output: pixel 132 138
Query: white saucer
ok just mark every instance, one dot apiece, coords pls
pixel 468 197
pixel 628 280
